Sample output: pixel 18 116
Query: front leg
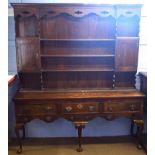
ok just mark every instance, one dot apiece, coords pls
pixel 79 126
pixel 132 128
pixel 19 150
pixel 140 128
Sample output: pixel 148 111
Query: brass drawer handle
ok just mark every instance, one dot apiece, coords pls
pixel 68 108
pixel 79 106
pixel 48 108
pixel 132 107
pixel 91 108
pixel 110 109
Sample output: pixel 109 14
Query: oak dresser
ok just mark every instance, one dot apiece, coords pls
pixel 77 61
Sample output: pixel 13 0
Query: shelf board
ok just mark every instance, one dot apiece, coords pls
pixel 29 71
pixel 105 55
pixel 28 37
pixel 77 70
pixel 46 39
pixel 82 90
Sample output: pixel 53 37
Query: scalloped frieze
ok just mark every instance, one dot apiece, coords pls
pixel 128 11
pixel 77 12
pixel 25 12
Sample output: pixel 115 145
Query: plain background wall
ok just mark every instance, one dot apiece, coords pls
pixel 62 127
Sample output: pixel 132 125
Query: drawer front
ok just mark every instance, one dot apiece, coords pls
pixel 123 105
pixel 75 108
pixel 36 109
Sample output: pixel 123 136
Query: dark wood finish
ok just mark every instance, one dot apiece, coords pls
pixel 78 62
pixel 126 54
pixel 19 141
pixel 70 48
pixel 77 80
pixel 79 126
pixel 30 80
pixel 125 79
pixel 28 54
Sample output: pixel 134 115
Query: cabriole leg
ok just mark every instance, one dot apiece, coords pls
pixel 19 150
pixel 79 126
pixel 132 128
pixel 140 128
pixel 23 132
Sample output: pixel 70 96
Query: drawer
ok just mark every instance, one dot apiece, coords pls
pixel 36 109
pixel 122 105
pixel 75 108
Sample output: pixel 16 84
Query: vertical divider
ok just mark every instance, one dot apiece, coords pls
pixel 41 78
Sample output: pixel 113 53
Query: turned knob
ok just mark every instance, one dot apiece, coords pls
pixel 68 108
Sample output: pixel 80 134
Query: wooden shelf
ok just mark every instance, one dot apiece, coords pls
pixel 78 70
pixel 34 37
pixel 80 90
pixel 106 40
pixel 71 55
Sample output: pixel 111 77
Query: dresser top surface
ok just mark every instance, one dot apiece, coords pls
pixel 23 94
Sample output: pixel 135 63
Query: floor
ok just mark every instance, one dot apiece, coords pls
pixel 88 149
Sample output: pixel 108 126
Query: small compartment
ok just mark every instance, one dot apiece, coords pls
pixel 128 18
pixel 28 57
pixel 27 26
pixel 126 54
pixel 30 80
pixel 128 27
pixel 77 80
pixel 125 79
pixel 77 64
pixel 77 48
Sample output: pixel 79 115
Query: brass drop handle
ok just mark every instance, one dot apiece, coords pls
pixel 132 107
pixel 48 108
pixel 110 109
pixel 68 108
pixel 91 108
pixel 79 106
